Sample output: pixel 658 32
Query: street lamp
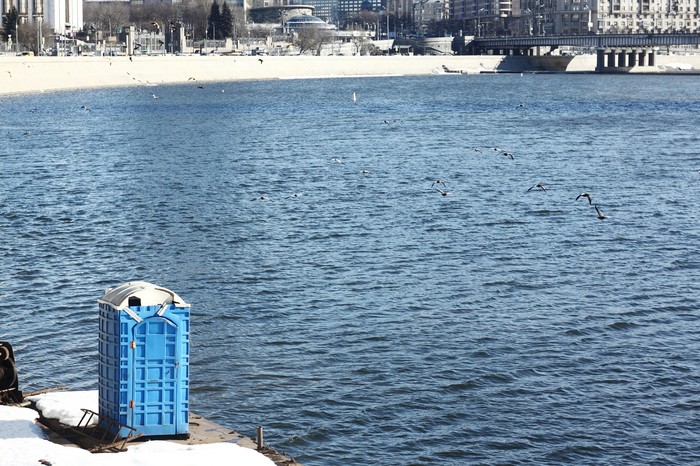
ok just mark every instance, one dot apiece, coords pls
pixel 478 22
pixel 590 23
pixel 171 26
pixel 38 34
pixel 528 13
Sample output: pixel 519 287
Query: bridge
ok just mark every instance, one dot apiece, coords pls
pixel 592 40
pixel 614 50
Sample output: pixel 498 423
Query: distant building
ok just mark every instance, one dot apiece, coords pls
pixel 327 10
pixel 297 23
pixel 348 8
pixel 426 12
pixel 545 17
pixel 61 16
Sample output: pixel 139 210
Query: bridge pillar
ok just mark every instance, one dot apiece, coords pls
pixel 611 58
pixel 633 57
pixel 652 62
pixel 642 57
pixel 621 58
pixel 600 59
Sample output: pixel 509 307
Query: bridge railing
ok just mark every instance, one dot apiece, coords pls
pixel 593 40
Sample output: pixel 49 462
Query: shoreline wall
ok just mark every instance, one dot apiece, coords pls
pixel 21 75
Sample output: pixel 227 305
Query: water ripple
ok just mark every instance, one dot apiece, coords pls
pixel 371 315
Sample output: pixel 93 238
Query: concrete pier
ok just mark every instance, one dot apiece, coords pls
pixel 202 431
pixel 611 60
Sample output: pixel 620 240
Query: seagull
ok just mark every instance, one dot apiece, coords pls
pixel 538 186
pixel 261 198
pixel 200 87
pixel 222 91
pixel 505 153
pixel 587 196
pixel 294 195
pixel 354 97
pixel 386 122
pixel 27 133
pixel 443 193
pixel 85 108
pixel 439 182
pixel 476 149
pixel 154 96
pixel 365 171
pixel 191 79
pixel 9 73
pixel 600 214
pixel 336 160
pixel 521 105
pixel 260 60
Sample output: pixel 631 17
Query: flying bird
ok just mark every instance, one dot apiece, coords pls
pixel 505 153
pixel 587 196
pixel 260 60
pixel 438 182
pixel 155 96
pixel 600 214
pixel 443 193
pixel 538 186
pixel 261 198
pixel 191 79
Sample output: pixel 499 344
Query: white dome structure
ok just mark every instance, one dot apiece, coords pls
pixel 307 21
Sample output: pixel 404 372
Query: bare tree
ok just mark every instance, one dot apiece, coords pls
pixel 259 32
pixel 193 14
pixel 157 12
pixel 239 26
pixel 108 16
pixel 308 39
pixel 326 37
pixel 28 35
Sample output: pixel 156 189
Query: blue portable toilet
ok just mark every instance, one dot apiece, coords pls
pixel 144 354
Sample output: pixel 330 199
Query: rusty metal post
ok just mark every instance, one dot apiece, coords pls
pixel 260 440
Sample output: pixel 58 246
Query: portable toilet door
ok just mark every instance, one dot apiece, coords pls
pixel 156 383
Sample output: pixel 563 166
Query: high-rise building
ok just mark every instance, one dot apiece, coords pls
pixel 61 16
pixel 544 17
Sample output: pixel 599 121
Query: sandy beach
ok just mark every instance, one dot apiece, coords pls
pixel 20 75
pixel 43 74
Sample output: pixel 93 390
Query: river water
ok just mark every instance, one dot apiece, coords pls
pixel 369 319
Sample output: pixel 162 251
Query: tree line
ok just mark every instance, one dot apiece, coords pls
pixel 200 18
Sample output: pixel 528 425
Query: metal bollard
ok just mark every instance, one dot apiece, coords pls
pixel 261 443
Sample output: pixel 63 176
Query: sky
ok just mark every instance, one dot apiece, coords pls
pixel 23 443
